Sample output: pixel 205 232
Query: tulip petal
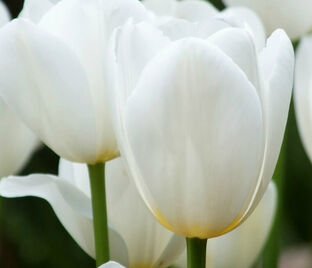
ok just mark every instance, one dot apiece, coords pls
pixel 245 18
pixel 239 46
pixel 293 16
pixel 161 7
pixel 130 40
pixel 147 241
pixel 17 142
pixel 241 247
pixel 35 9
pixel 5 15
pixel 177 29
pixel 70 205
pixel 303 91
pixel 76 174
pixel 111 264
pixel 191 10
pixel 195 10
pixel 141 237
pixel 276 66
pixel 42 80
pixel 190 136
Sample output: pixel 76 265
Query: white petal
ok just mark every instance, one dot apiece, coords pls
pixel 35 9
pixel 293 16
pixel 70 205
pixel 241 247
pixel 42 80
pixel 190 137
pixel 245 18
pixel 148 242
pixel 134 46
pixel 195 10
pixel 239 46
pixel 17 142
pixel 76 174
pixel 303 91
pixel 144 240
pixel 117 247
pixel 55 1
pixel 5 15
pixel 177 29
pixel 111 264
pixel 191 10
pixel 161 7
pixel 277 67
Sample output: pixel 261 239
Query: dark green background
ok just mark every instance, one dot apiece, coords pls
pixel 32 236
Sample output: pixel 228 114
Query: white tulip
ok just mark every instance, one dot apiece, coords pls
pixel 200 122
pixel 241 247
pixel 293 16
pixel 17 142
pixel 303 91
pixel 53 75
pixel 136 239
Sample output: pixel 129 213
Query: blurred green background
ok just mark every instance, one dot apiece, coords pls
pixel 32 236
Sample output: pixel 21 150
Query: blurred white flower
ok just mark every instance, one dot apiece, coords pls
pixel 292 16
pixel 241 247
pixel 303 92
pixel 17 142
pixel 136 238
pixel 52 75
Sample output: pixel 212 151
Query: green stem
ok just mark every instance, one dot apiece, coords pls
pixel 196 252
pixel 97 184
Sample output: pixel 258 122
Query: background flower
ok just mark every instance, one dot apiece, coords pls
pixel 293 16
pixel 136 239
pixel 241 247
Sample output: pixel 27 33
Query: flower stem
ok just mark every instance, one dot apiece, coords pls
pixel 97 184
pixel 196 252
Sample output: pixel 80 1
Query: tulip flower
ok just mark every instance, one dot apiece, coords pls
pixel 64 75
pixel 241 247
pixel 200 124
pixel 293 16
pixel 303 91
pixel 136 239
pixel 53 76
pixel 17 142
